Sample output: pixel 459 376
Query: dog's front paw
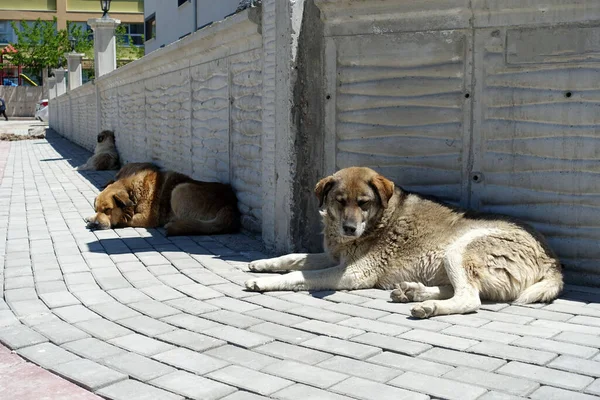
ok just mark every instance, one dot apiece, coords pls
pixel 398 296
pixel 423 310
pixel 254 285
pixel 260 265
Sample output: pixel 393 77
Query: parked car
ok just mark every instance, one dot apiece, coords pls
pixel 41 110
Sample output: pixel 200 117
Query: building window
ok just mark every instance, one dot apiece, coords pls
pixel 135 32
pixel 150 27
pixel 7 35
pixel 181 2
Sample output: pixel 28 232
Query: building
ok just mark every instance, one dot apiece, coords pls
pixel 167 21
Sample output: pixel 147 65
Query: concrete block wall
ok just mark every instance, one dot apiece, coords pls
pixel 21 100
pixel 490 104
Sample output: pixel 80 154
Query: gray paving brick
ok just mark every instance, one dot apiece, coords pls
pixel 462 359
pixel 584 320
pixel 503 383
pixel 293 352
pixel 299 391
pixel 190 361
pixel 397 345
pixel 88 374
pixel 406 321
pixel 281 332
pixel 154 309
pixel 536 313
pixel 134 390
pixel 304 373
pixel 583 339
pixel 328 329
pixel 271 302
pixel 28 307
pixel 551 393
pixel 20 294
pixel 191 340
pixel 199 292
pixel 374 326
pixel 228 303
pixel 237 336
pixel 556 346
pixel 193 386
pixel 240 395
pixel 439 339
pixel 7 318
pixel 113 310
pixel 141 344
pixel 342 347
pixel 236 355
pixel 522 330
pixel 594 388
pixel 128 295
pixel 46 355
pixel 576 365
pixel 462 319
pixel 103 329
pixel 276 317
pixel 513 353
pixel 249 379
pixel 190 322
pixel 191 306
pixel 60 332
pixel 547 376
pixel 175 280
pixel 573 308
pixel 162 292
pixel 92 349
pixel 565 326
pixel 74 314
pixel 19 336
pixel 438 387
pixel 368 390
pixel 493 395
pixel 360 369
pixel 232 318
pixel 504 317
pixel 318 314
pixel 59 299
pixel 146 325
pixel 137 366
pixel 355 311
pixel 401 362
pixel 480 334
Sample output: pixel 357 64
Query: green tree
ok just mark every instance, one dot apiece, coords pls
pixel 124 44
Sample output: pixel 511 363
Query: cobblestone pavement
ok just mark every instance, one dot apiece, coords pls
pixel 130 314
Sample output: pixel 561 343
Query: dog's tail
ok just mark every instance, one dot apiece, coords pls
pixel 545 290
pixel 226 221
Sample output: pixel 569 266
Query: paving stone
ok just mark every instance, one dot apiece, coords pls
pixel 283 333
pixel 576 365
pixel 462 359
pixel 328 329
pixel 583 339
pixel 92 349
pixel 503 383
pixel 594 388
pixel 567 327
pixel 360 369
pixel 113 310
pixel 190 361
pixel 556 346
pixel 276 317
pixel 46 355
pixel 504 317
pixel 374 326
pixel 59 299
pixel 493 395
pixel 547 376
pixel 552 393
pixel 193 386
pixel 190 322
pixel 536 313
pixel 249 379
pixel 162 292
pixel 303 373
pixel 200 292
pixel 342 347
pixel 405 321
pixel 134 390
pixel 401 362
pixel 28 307
pixel 50 286
pixel 103 329
pixel 237 336
pixel 318 314
pixel 293 352
pixel 368 390
pixel 7 318
pixel 154 309
pixel 232 318
pixel 438 387
pixel 509 352
pixel 74 314
pixel 271 302
pixel 146 325
pixel 191 306
pixel 191 340
pixel 141 344
pixel 88 374
pixel 19 336
pixel 439 339
pixel 128 295
pixel 480 334
pixel 20 294
pixel 60 332
pixel 522 330
pixel 392 343
pixel 240 395
pixel 137 366
pixel 239 356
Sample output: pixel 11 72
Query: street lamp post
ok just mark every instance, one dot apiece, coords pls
pixel 105 5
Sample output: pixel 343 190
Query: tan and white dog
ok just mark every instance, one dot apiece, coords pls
pixel 105 155
pixel 379 236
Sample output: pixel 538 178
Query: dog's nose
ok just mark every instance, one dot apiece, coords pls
pixel 349 229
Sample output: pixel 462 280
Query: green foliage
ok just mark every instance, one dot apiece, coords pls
pixel 124 50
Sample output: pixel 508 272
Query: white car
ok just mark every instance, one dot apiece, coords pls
pixel 41 110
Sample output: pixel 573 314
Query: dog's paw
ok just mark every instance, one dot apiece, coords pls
pixel 260 265
pixel 254 285
pixel 423 310
pixel 414 291
pixel 398 296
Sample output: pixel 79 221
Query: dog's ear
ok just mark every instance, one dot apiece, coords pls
pixel 384 188
pixel 122 199
pixel 323 187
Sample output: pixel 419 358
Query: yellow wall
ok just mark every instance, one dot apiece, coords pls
pixel 115 5
pixel 35 5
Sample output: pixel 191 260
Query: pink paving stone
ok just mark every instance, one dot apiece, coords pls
pixel 23 380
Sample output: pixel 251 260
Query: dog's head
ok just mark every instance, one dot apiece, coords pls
pixel 354 199
pixel 113 208
pixel 106 137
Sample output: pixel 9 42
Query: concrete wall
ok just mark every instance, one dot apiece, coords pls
pixel 492 105
pixel 21 100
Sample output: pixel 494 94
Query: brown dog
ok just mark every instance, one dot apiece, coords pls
pixel 105 155
pixel 144 196
pixel 377 235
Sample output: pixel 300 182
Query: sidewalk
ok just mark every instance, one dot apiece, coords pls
pixel 131 314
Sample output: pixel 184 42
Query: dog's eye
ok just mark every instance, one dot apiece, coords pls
pixel 341 201
pixel 364 204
